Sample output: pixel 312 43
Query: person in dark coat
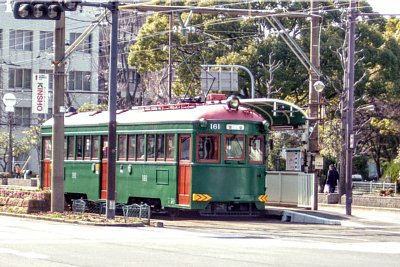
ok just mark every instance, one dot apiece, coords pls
pixel 332 178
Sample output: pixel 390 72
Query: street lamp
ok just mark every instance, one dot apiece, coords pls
pixel 318 87
pixel 9 101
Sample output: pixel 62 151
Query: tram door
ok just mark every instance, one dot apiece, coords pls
pixel 184 170
pixel 104 168
pixel 46 165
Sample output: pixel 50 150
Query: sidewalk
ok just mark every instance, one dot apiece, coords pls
pixel 335 214
pixel 365 214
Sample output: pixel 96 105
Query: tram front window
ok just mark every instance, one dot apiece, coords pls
pixel 208 147
pixel 234 147
pixel 256 149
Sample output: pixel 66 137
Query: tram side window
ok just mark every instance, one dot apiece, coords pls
pixel 160 147
pixel 208 147
pixel 104 148
pixel 170 147
pixel 131 147
pixel 65 147
pixel 140 146
pixel 70 147
pixel 185 148
pixel 122 147
pixel 95 147
pixel 256 149
pixel 87 149
pixel 79 147
pixel 151 146
pixel 46 147
pixel 234 147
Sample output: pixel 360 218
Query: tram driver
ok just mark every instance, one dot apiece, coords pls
pixel 255 153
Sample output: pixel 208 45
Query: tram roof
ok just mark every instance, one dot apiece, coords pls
pixel 161 114
pixel 279 113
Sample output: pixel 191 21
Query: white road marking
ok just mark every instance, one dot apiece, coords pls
pixel 30 255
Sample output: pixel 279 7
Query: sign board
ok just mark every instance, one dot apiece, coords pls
pixel 293 159
pixel 318 162
pixel 9 101
pixel 40 93
pixel 221 80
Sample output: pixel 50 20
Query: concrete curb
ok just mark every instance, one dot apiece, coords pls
pixel 296 217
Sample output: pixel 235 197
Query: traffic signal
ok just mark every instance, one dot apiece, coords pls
pixel 44 10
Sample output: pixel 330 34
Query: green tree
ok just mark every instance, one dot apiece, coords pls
pixel 21 146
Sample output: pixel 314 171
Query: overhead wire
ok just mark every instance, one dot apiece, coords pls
pixel 78 26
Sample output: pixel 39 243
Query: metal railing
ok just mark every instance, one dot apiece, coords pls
pixel 141 211
pixel 371 186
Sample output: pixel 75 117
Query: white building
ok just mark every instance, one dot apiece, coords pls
pixel 26 48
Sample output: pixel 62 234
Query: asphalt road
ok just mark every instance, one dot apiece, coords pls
pixel 186 242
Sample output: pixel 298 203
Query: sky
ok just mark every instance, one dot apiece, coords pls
pixel 385 6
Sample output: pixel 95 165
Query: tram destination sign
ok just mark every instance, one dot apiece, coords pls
pixel 238 127
pixel 40 93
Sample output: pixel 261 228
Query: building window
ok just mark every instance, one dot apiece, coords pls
pixel 21 40
pixel 19 78
pixel 51 77
pixel 46 41
pixel 79 81
pixel 22 116
pixel 85 46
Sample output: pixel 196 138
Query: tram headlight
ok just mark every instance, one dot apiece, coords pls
pixel 233 102
pixel 203 122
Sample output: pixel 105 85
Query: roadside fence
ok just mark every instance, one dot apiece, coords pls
pixel 141 211
pixel 371 186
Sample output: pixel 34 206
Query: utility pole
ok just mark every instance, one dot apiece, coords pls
pixel 350 105
pixel 314 97
pixel 57 170
pixel 10 144
pixel 170 58
pixel 112 107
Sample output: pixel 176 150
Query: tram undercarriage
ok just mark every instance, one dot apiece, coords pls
pixel 230 209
